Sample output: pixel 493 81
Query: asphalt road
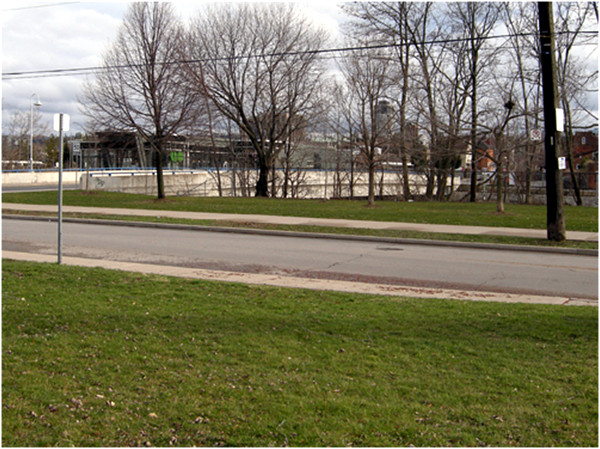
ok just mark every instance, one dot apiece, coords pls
pixel 397 264
pixel 37 188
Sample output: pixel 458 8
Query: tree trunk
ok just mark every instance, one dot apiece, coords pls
pixel 528 176
pixel 160 183
pixel 569 151
pixel 262 184
pixel 213 145
pixel 499 188
pixel 442 181
pixel 405 176
pixel 430 175
pixel 371 198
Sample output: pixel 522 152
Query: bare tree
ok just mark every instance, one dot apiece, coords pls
pixel 140 87
pixel 574 76
pixel 520 19
pixel 16 145
pixel 393 23
pixel 342 126
pixel 370 79
pixel 443 82
pixel 259 67
pixel 474 22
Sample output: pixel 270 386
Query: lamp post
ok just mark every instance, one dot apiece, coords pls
pixel 37 104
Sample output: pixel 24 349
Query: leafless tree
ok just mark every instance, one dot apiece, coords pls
pixel 443 82
pixel 575 78
pixel 140 87
pixel 342 127
pixel 257 62
pixel 16 145
pixel 523 56
pixel 474 21
pixel 393 23
pixel 370 78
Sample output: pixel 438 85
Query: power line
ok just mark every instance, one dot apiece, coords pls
pixel 329 51
pixel 39 6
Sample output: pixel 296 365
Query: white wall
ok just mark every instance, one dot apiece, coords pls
pixel 39 178
pixel 311 184
pixel 307 184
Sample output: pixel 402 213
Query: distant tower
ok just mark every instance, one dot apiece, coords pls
pixel 383 116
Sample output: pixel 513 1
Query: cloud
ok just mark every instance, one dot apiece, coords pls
pixel 56 36
pixel 66 35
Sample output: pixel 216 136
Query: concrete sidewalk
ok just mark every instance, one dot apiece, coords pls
pixel 270 219
pixel 276 280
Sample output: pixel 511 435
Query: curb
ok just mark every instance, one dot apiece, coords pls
pixel 398 291
pixel 296 234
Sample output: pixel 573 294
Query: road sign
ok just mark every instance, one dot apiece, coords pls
pixel 535 135
pixel 65 122
pixel 76 148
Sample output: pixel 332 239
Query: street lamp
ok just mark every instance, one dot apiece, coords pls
pixel 37 104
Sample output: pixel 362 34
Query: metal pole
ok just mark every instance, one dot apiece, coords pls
pixel 31 134
pixel 60 190
pixel 37 104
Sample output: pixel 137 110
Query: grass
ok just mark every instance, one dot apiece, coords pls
pixel 476 214
pixel 94 357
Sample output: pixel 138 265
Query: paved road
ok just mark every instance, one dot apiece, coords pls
pixel 424 266
pixel 37 188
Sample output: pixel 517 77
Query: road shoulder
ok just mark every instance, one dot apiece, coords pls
pixel 305 283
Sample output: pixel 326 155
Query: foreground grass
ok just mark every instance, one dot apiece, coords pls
pixel 101 358
pixel 474 214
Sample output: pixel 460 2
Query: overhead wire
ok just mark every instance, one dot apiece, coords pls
pixel 77 71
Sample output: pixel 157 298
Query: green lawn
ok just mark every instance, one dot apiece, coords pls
pixel 476 214
pixel 93 357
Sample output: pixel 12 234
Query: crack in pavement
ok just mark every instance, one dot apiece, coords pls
pixel 338 264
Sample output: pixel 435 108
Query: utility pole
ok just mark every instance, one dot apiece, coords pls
pixel 555 217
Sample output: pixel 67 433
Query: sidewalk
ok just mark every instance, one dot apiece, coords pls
pixel 270 219
pixel 295 282
pixel 285 281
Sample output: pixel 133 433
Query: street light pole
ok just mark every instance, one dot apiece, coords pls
pixel 61 123
pixel 37 104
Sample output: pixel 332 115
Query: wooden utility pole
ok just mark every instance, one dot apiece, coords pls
pixel 555 217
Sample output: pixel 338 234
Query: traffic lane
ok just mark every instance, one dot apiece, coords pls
pixel 494 270
pixel 38 188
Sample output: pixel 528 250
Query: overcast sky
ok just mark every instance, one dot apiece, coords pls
pixel 58 34
pixel 49 35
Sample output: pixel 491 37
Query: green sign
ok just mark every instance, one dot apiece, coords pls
pixel 176 156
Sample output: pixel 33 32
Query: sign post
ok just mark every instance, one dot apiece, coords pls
pixel 61 122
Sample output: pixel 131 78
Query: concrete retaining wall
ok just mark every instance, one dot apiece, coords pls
pixel 308 184
pixel 41 178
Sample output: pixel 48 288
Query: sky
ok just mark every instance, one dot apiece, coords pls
pixel 61 34
pixel 47 35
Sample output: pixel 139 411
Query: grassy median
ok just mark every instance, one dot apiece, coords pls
pixel 94 357
pixel 466 214
pixel 477 214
